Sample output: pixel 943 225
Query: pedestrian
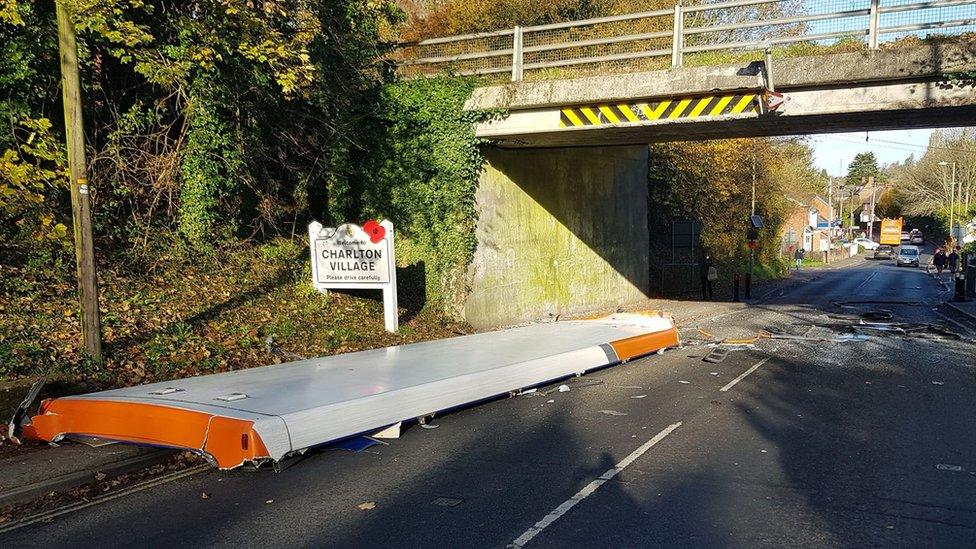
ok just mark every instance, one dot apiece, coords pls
pixel 953 260
pixel 798 256
pixel 939 260
pixel 709 274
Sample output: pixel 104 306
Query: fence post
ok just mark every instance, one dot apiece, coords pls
pixel 677 37
pixel 873 25
pixel 517 54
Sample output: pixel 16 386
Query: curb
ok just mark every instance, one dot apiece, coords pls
pixel 971 316
pixel 29 493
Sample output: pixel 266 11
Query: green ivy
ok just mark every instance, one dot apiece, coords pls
pixel 424 178
pixel 211 165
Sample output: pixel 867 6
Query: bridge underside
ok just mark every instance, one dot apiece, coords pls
pixel 770 126
pixel 877 107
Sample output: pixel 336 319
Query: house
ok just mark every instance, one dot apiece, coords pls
pixel 858 211
pixel 807 225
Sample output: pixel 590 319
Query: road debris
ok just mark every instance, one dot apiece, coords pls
pixel 269 502
pixel 683 381
pixel 947 467
pixel 717 355
pixel 563 388
pixel 850 337
pixel 365 506
pixel 271 347
pixel 357 444
pixel 904 329
pixel 851 304
pixel 447 502
pixel 628 387
pixel 714 340
pixel 639 396
pixel 613 413
pixel 938 383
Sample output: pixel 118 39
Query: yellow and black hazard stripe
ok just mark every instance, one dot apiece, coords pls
pixel 665 109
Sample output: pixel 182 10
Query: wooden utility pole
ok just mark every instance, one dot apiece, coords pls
pixel 80 197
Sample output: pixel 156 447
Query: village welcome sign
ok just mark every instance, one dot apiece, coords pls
pixel 355 257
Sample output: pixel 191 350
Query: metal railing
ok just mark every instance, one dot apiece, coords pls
pixel 702 34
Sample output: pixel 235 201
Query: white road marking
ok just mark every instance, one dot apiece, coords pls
pixel 743 375
pixel 590 488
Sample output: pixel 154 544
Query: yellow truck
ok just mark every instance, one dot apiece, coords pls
pixel 891 231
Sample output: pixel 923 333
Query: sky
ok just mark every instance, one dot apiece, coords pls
pixel 835 151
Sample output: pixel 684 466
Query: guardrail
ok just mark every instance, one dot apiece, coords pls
pixel 704 32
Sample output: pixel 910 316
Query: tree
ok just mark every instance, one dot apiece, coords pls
pixel 926 186
pixel 710 181
pixel 863 166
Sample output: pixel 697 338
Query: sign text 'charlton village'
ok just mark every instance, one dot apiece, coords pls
pixel 352 260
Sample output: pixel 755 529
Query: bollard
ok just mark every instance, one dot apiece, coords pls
pixel 748 286
pixel 960 294
pixel 735 288
pixel 971 280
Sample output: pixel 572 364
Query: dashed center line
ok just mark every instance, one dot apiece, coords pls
pixel 744 374
pixel 590 488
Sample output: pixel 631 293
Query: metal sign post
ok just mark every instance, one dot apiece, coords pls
pixel 353 257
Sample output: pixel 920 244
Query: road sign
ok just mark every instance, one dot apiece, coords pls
pixel 354 257
pixel 774 100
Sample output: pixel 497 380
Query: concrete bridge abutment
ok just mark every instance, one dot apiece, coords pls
pixel 560 231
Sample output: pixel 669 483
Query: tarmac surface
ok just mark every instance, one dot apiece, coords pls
pixel 791 443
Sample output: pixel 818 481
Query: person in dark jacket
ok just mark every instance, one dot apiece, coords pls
pixel 939 260
pixel 798 256
pixel 709 274
pixel 953 260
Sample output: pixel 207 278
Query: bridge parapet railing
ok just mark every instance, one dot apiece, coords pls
pixel 692 34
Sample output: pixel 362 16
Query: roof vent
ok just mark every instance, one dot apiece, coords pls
pixel 166 391
pixel 231 397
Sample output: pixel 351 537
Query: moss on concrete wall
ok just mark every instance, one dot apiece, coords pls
pixel 559 231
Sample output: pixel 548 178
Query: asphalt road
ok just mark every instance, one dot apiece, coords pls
pixel 793 443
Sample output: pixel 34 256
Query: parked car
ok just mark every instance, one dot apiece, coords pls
pixel 884 251
pixel 909 255
pixel 866 243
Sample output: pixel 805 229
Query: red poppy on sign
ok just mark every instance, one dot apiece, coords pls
pixel 375 231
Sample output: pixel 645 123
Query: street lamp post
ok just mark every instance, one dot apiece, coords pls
pixel 952 197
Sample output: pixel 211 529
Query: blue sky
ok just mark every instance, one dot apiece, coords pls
pixel 835 151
